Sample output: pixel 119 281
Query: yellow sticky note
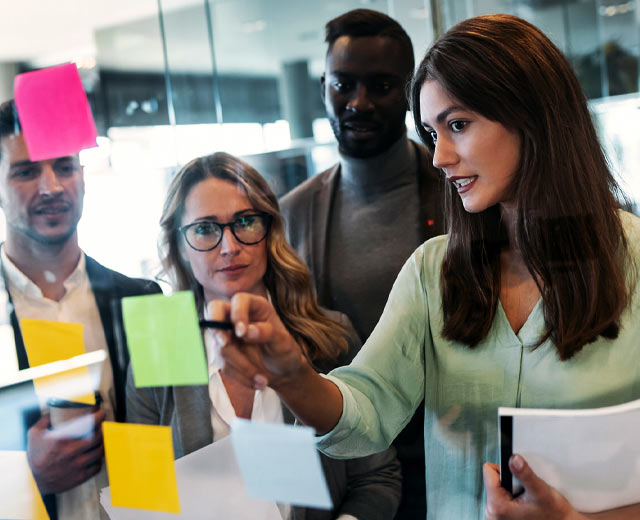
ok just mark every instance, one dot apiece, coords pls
pixel 49 341
pixel 19 495
pixel 142 472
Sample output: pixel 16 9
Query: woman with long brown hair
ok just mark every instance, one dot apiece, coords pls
pixel 527 302
pixel 222 233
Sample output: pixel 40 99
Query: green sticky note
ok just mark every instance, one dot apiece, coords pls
pixel 165 344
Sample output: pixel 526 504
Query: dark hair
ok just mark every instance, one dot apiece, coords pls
pixel 568 225
pixel 287 278
pixel 8 123
pixel 365 22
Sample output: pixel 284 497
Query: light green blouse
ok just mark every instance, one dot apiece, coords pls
pixel 406 359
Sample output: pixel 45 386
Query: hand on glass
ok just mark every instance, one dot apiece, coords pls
pixel 539 500
pixel 59 464
pixel 261 351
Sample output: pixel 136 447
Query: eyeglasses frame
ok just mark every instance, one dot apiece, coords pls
pixel 268 219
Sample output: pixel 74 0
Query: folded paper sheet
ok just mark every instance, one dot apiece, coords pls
pixel 54 112
pixel 210 486
pixel 141 467
pixel 49 341
pixel 165 344
pixel 19 495
pixel 280 462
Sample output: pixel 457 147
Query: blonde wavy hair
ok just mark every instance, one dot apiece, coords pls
pixel 287 278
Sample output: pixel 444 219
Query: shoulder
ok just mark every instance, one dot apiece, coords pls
pixel 103 278
pixel 425 264
pixel 299 195
pixel 631 226
pixel 431 253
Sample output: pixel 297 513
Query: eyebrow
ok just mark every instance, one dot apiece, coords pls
pixel 214 218
pixel 445 113
pixel 370 75
pixel 27 162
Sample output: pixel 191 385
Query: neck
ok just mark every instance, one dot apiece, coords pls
pixel 46 265
pixel 509 216
pixel 377 172
pixel 511 255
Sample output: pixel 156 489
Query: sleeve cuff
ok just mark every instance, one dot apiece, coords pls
pixel 348 422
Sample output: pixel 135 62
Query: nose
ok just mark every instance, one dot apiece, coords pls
pixel 445 153
pixel 229 245
pixel 48 182
pixel 360 100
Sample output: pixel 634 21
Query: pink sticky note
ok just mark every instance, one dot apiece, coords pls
pixel 54 112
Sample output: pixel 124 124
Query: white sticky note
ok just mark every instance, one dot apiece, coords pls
pixel 19 495
pixel 280 462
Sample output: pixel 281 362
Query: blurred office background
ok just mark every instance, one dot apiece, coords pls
pixel 169 80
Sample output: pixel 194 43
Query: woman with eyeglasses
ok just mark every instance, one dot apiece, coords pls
pixel 530 301
pixel 222 233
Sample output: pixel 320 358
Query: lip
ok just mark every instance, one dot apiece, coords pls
pixel 231 269
pixel 361 128
pixel 51 209
pixel 466 187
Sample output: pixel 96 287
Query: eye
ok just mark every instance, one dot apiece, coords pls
pixel 457 126
pixel 25 173
pixel 247 222
pixel 431 136
pixel 205 228
pixel 382 87
pixel 65 169
pixel 341 86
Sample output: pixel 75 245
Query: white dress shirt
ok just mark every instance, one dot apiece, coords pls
pixel 78 305
pixel 266 406
pixel 266 403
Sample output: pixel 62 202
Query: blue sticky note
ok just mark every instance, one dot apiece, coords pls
pixel 280 462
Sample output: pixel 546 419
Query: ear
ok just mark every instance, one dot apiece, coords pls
pixel 322 86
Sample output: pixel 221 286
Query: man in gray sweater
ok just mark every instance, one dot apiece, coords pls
pixel 356 223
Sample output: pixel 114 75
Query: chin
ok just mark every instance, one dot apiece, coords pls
pixel 472 207
pixel 51 238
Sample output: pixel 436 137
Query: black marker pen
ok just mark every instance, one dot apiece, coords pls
pixel 214 324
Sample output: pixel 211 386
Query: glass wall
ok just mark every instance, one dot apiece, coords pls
pixel 601 38
pixel 170 80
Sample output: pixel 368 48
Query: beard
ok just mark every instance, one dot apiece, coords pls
pixel 51 240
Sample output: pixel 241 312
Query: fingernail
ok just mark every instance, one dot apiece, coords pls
pixel 241 328
pixel 260 382
pixel 518 462
pixel 252 332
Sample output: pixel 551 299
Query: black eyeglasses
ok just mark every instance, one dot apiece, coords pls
pixel 205 235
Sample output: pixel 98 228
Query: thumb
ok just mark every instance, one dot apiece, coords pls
pixel 532 484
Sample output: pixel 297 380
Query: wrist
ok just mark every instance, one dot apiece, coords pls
pixel 300 370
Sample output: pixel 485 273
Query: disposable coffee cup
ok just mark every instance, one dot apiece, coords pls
pixel 71 419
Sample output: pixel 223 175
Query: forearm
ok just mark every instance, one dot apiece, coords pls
pixel 620 513
pixel 314 400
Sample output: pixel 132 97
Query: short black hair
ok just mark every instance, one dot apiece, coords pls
pixel 366 22
pixel 8 123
